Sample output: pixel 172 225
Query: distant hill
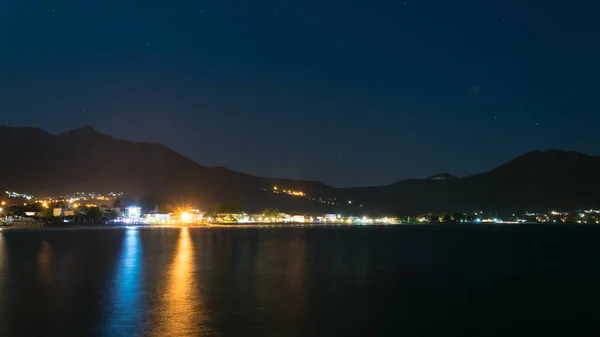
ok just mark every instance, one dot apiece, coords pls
pixel 536 181
pixel 83 159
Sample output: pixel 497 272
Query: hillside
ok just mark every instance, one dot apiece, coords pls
pixel 83 159
pixel 536 181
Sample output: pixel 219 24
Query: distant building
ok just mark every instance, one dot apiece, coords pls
pixel 297 218
pixel 110 212
pixel 331 217
pixel 158 218
pixel 62 211
pixel 256 217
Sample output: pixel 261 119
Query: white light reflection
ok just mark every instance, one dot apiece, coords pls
pixel 126 312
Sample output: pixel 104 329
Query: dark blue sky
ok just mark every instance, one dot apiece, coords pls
pixel 342 91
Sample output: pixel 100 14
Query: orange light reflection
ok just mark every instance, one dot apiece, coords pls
pixel 44 260
pixel 182 313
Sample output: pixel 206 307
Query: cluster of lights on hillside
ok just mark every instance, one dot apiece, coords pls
pixel 75 200
pixel 327 201
pixel 19 195
pixel 290 192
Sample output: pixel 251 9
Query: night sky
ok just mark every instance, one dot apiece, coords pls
pixel 342 91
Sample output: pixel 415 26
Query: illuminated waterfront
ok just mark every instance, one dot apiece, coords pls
pixel 26 211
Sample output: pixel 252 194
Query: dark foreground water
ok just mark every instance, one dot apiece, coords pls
pixel 334 281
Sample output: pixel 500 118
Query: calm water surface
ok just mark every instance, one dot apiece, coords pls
pixel 310 281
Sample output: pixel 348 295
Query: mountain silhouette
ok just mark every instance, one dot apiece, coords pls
pixel 535 181
pixel 83 159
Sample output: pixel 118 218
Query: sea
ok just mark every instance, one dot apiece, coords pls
pixel 419 280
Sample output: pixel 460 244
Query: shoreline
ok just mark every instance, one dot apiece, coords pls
pixel 176 225
pixel 94 226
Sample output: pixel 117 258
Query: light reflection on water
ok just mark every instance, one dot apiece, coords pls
pixel 182 312
pixel 127 310
pixel 44 260
pixel 248 282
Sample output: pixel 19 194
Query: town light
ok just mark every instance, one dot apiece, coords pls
pixel 133 211
pixel 186 217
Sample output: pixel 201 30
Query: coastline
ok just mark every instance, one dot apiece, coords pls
pixel 94 226
pixel 28 227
